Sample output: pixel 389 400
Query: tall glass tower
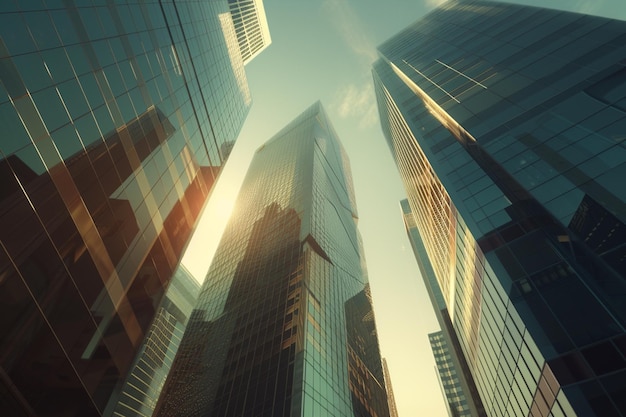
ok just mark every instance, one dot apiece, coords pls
pixel 113 117
pixel 507 124
pixel 284 323
pixel 459 387
pixel 449 377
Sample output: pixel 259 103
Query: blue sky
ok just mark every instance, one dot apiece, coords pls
pixel 323 50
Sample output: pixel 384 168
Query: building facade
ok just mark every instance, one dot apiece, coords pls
pixel 113 115
pixel 452 390
pixel 284 323
pixel 507 125
pixel 454 370
pixel 251 27
pixel 145 380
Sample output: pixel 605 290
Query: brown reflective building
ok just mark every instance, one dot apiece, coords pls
pixel 113 117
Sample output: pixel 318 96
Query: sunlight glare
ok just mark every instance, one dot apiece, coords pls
pixel 206 237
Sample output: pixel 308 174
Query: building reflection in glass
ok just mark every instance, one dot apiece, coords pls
pixel 143 384
pixel 56 293
pixel 112 120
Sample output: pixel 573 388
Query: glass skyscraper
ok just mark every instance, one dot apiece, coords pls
pixel 449 377
pixel 284 324
pixel 113 117
pixel 507 124
pixel 453 370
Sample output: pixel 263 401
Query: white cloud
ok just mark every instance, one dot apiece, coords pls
pixel 359 102
pixel 350 27
pixel 434 3
pixel 587 6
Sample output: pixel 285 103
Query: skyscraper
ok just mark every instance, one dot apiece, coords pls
pixel 507 126
pixel 251 27
pixel 456 399
pixel 454 369
pixel 284 323
pixel 113 117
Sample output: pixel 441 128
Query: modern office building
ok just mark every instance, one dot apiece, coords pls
pixel 143 384
pixel 507 124
pixel 113 117
pixel 251 27
pixel 449 377
pixel 466 400
pixel 284 323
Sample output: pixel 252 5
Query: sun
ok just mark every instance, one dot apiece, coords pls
pixel 207 235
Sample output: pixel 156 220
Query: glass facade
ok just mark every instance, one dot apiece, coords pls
pixel 113 118
pixel 284 324
pixel 507 126
pixel 154 360
pixel 456 399
pixel 466 400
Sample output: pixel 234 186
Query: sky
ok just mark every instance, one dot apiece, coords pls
pixel 323 50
